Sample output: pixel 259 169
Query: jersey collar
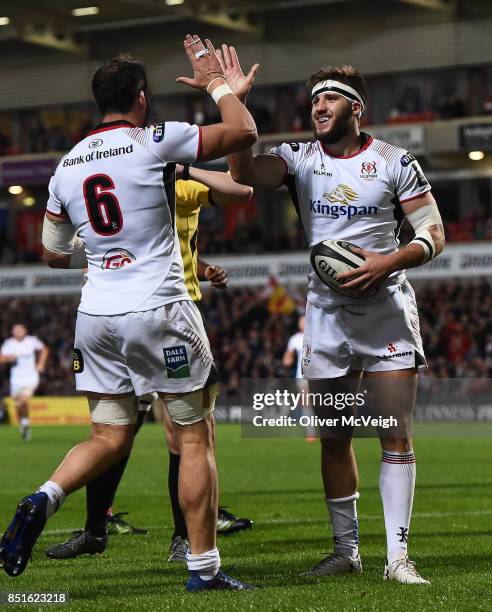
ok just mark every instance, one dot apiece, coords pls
pixel 110 125
pixel 365 141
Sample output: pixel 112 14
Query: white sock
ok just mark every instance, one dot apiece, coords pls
pixel 207 564
pixel 343 513
pixel 24 422
pixel 56 496
pixel 397 484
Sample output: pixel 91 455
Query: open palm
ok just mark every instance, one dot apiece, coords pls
pixel 233 73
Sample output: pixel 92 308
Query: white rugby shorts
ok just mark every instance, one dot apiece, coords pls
pixel 374 337
pixel 164 349
pixel 24 387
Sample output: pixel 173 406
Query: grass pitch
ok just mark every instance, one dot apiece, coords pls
pixel 276 483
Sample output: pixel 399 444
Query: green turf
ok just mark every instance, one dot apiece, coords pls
pixel 275 482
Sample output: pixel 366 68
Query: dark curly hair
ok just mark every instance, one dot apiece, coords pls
pixel 117 83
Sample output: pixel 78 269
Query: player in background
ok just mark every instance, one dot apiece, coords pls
pixel 348 185
pixel 111 209
pixel 293 355
pixel 27 356
pixel 195 188
pixel 293 352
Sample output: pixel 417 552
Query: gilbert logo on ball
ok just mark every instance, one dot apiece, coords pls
pixel 330 258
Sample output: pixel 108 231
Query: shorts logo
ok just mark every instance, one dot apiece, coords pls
pixel 392 348
pixel 177 364
pixel 117 258
pixel 158 132
pixel 306 358
pixel 77 361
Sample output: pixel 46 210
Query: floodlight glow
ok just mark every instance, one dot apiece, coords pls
pixel 83 11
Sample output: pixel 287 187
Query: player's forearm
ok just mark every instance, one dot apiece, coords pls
pixel 240 129
pixel 414 255
pixel 223 188
pixel 7 359
pixel 233 112
pixel 288 359
pixel 56 260
pixel 242 167
pixel 43 358
pixel 201 266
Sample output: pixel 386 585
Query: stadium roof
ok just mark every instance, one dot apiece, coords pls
pixel 58 24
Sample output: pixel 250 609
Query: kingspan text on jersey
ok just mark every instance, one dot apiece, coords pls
pixel 82 159
pixel 339 210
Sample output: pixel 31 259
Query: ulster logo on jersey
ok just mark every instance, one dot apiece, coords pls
pixel 368 170
pixel 341 204
pixel 117 258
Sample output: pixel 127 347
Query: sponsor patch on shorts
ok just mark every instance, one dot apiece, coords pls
pixel 177 364
pixel 77 361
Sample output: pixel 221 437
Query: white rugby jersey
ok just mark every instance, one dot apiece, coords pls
pixel 24 369
pixel 354 198
pixel 117 188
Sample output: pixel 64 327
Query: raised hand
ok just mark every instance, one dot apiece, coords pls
pixel 204 61
pixel 234 75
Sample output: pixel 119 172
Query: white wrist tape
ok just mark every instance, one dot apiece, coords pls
pixel 61 238
pixel 78 259
pixel 221 91
pixel 421 220
pixel 222 78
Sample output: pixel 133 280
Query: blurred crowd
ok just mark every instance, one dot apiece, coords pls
pixel 249 332
pixel 393 98
pixel 456 328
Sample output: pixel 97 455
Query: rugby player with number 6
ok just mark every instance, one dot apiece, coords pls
pixel 112 209
pixel 348 186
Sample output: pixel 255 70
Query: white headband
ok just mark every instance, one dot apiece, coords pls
pixel 340 88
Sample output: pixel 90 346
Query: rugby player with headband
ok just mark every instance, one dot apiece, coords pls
pixel 348 186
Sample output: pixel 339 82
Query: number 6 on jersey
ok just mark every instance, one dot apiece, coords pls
pixel 102 206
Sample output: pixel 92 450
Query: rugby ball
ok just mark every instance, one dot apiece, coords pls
pixel 330 258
